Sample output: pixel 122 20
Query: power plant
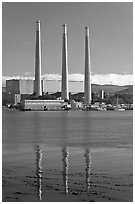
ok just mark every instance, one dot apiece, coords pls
pixel 29 94
pixel 64 81
pixel 45 104
pixel 39 103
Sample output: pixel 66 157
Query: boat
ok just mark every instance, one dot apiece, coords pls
pixel 110 108
pixel 120 109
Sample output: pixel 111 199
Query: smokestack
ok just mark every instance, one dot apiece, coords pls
pixel 37 86
pixel 64 91
pixel 87 81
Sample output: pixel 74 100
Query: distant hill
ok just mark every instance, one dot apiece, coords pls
pixel 128 90
pixel 107 88
pixel 57 94
pixel 110 88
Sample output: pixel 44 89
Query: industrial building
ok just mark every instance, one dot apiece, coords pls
pixel 20 86
pixel 16 90
pixel 42 105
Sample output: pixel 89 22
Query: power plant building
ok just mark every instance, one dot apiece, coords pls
pixel 13 86
pixel 17 89
pixel 42 105
pixel 20 86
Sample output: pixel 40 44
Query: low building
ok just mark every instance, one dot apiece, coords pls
pixel 76 105
pixel 17 99
pixel 9 98
pixel 42 105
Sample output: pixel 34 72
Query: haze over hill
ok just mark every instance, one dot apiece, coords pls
pixel 100 79
pixel 113 88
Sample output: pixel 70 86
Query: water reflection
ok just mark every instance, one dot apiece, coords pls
pixel 38 153
pixel 65 173
pixel 87 156
pixel 65 159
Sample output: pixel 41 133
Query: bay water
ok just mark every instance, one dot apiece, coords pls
pixel 83 155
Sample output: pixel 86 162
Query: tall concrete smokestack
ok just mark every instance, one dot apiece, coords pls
pixel 64 91
pixel 87 81
pixel 37 85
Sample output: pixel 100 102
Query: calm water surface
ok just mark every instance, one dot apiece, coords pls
pixel 74 153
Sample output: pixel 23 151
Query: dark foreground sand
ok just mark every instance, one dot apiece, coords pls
pixel 114 184
pixel 108 189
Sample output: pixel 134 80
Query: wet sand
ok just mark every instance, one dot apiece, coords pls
pixel 109 178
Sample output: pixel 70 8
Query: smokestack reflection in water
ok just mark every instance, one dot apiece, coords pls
pixel 87 156
pixel 65 159
pixel 38 153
